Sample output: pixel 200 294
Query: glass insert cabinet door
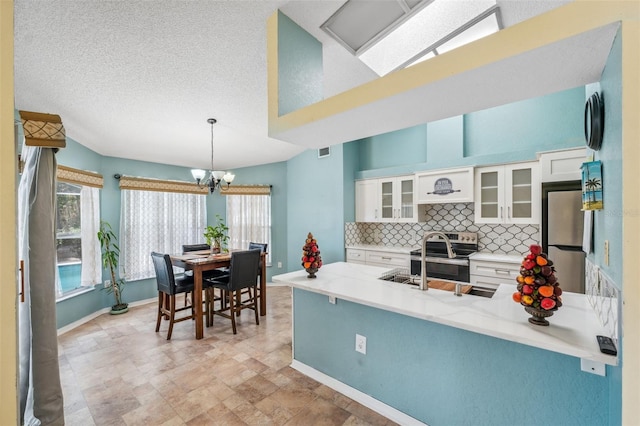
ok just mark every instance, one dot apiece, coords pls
pixel 521 194
pixel 406 199
pixel 507 194
pixel 396 199
pixel 489 195
pixel 386 199
pixel 489 189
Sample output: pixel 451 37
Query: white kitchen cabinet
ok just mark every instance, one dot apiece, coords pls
pixel 356 256
pixel 367 200
pixel 385 200
pixel 390 259
pixel 562 165
pixel 488 273
pixel 508 194
pixel 445 186
pixel 396 199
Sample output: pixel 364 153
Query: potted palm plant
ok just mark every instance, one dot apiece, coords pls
pixel 110 256
pixel 216 236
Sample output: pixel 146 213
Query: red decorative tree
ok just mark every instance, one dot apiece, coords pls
pixel 311 259
pixel 538 288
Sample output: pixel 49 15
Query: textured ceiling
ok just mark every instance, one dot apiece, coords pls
pixel 138 79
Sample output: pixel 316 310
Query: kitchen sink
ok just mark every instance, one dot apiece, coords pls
pixel 402 276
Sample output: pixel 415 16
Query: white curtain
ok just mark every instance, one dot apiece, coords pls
pixel 89 225
pixel 249 219
pixel 157 221
pixel 41 400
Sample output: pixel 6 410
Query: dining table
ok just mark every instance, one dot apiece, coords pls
pixel 204 260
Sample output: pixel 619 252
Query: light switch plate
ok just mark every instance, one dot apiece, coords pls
pixel 606 252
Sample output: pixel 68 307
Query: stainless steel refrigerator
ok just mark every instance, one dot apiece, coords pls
pixel 562 228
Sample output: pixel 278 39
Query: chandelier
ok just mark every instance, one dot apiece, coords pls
pixel 215 176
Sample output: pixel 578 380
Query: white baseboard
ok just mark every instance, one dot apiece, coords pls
pixel 96 314
pixel 358 396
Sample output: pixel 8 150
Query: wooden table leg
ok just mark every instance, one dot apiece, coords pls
pixel 197 301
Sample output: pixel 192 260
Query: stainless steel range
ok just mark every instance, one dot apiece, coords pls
pixel 439 265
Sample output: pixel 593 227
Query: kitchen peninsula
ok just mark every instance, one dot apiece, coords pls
pixel 443 359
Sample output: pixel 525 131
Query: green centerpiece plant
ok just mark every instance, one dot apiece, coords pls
pixel 110 257
pixel 216 236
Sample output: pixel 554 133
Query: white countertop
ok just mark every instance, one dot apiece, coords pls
pixel 497 257
pixel 572 332
pixel 390 249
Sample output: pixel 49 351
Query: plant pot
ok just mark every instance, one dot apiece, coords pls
pixel 312 272
pixel 538 315
pixel 119 309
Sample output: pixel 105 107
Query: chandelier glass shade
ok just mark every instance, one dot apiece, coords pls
pixel 215 176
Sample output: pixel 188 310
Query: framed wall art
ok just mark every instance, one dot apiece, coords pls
pixel 592 186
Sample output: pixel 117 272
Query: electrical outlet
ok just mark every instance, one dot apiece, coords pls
pixel 500 241
pixel 332 300
pixel 361 344
pixel 107 283
pixel 279 265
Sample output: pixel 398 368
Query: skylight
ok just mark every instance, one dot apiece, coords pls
pixel 388 35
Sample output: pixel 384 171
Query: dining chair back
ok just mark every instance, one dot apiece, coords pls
pixel 263 249
pixel 168 287
pixel 195 247
pixel 243 274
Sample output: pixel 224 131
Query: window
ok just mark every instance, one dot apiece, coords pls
pixel 249 219
pixel 77 248
pixel 157 221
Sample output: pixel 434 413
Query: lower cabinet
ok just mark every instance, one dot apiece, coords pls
pixel 379 258
pixel 356 256
pixel 383 258
pixel 487 273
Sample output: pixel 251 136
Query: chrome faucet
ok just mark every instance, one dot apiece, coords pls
pixel 423 263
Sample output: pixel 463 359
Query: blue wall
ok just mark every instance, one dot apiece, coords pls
pixel 299 67
pixel 553 121
pixel 394 148
pixel 443 375
pixel 78 156
pixel 502 134
pixel 315 204
pixel 274 174
pixel 608 222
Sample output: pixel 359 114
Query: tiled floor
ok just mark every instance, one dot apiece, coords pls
pixel 115 370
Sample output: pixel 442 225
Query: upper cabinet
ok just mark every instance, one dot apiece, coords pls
pixel 562 165
pixel 385 200
pixel 508 193
pixel 445 186
pixel 367 209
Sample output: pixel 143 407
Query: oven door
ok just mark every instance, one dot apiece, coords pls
pixel 443 268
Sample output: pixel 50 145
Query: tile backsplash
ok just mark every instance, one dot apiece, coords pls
pixel 504 239
pixel 605 298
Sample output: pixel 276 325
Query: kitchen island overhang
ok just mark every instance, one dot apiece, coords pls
pixel 572 332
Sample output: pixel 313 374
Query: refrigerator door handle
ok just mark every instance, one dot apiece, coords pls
pixel 565 247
